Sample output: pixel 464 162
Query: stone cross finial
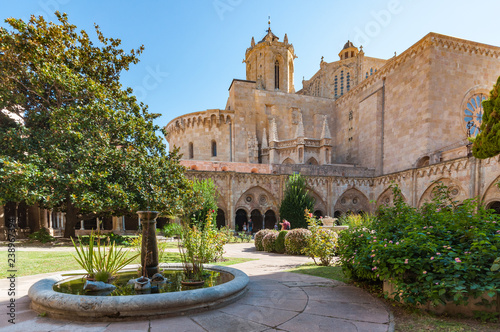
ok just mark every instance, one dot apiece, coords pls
pixel 252 43
pixel 325 132
pixel 285 39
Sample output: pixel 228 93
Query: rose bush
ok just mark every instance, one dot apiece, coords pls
pixel 440 252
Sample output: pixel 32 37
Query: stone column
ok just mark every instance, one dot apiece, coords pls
pixel 149 249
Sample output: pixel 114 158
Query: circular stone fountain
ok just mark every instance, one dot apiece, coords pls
pixel 45 300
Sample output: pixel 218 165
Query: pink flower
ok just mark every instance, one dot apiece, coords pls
pixel 406 261
pixel 390 241
pixel 425 272
pixel 432 258
pixel 374 268
pixel 385 245
pixel 438 253
pixel 458 260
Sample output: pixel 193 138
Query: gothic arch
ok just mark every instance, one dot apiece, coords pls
pixel 280 68
pixel 457 193
pixel 288 161
pixel 352 200
pixel 312 161
pixel 422 162
pixel 257 198
pixel 387 198
pixel 319 203
pixel 492 194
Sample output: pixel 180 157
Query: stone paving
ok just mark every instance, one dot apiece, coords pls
pixel 275 301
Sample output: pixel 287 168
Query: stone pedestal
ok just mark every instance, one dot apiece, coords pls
pixel 149 249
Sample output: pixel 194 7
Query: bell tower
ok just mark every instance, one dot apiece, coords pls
pixel 270 63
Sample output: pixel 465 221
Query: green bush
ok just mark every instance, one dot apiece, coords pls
pixel 259 236
pixel 440 252
pixel 172 229
pixel 269 241
pixel 296 240
pixel 321 244
pixel 42 235
pixel 279 246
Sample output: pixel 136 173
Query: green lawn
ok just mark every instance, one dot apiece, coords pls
pixel 329 272
pixel 35 262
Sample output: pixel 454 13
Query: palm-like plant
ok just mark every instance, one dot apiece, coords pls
pixel 98 261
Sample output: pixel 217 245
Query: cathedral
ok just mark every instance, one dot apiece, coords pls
pixel 356 126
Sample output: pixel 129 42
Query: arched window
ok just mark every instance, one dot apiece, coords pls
pixel 191 150
pixel 214 149
pixel 348 81
pixel 371 71
pixel 276 75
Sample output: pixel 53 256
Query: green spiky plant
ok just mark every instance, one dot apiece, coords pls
pixel 101 263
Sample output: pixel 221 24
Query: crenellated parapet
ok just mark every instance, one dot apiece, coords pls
pixel 208 118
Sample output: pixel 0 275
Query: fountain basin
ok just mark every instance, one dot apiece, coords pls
pixel 45 300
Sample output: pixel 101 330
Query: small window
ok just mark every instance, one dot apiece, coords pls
pixel 352 54
pixel 214 149
pixel 346 55
pixel 191 150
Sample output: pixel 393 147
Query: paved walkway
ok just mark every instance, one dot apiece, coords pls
pixel 276 301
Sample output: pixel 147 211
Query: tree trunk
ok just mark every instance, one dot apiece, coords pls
pixel 71 219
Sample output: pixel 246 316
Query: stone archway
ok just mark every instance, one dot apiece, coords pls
pixel 318 214
pixel 387 198
pixel 456 192
pixel 495 205
pixel 257 220
pixel 270 219
pixel 220 220
pixel 241 218
pixel 352 201
pixel 491 197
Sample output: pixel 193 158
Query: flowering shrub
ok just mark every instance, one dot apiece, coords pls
pixel 295 240
pixel 259 236
pixel 321 243
pixel 440 252
pixel 279 246
pixel 269 241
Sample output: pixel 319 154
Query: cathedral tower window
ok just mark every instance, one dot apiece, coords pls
pixel 348 81
pixel 371 71
pixel 191 150
pixel 277 75
pixel 214 149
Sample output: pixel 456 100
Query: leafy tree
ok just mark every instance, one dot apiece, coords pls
pixel 487 142
pixel 205 194
pixel 84 145
pixel 296 201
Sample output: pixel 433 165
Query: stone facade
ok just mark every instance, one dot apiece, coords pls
pixel 356 126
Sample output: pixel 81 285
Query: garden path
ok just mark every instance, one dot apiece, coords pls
pixel 275 301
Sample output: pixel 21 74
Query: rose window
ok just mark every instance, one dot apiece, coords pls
pixel 473 114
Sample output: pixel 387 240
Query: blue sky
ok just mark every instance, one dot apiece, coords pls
pixel 193 49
